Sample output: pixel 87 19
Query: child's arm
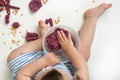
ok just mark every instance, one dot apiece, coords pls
pixel 28 71
pixel 74 55
pixel 79 63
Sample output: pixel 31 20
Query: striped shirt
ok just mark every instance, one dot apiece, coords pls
pixel 17 63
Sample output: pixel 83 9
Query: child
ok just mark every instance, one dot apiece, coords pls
pixel 28 62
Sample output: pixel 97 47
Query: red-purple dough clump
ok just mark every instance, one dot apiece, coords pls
pixel 34 5
pixel 52 40
pixel 49 21
pixel 31 36
pixel 7 19
pixel 15 25
pixel 6 4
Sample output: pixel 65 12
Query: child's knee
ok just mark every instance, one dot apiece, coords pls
pixel 14 53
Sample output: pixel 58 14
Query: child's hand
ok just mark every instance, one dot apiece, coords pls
pixel 81 75
pixel 66 43
pixel 51 59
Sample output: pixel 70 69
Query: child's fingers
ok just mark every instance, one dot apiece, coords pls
pixel 59 36
pixel 63 35
pixel 54 56
pixel 69 36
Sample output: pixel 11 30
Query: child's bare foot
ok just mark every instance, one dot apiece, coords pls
pixel 43 28
pixel 51 59
pixel 97 11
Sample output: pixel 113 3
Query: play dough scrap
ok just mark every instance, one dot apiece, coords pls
pixel 31 36
pixel 49 21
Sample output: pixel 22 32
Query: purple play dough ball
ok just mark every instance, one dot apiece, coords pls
pixel 15 25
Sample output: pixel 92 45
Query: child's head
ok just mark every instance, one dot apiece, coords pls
pixel 54 74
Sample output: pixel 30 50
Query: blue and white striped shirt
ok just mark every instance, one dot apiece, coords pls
pixel 17 63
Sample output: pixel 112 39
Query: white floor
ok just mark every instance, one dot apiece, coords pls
pixel 105 52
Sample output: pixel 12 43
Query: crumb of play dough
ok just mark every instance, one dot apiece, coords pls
pixel 56 21
pixel 35 5
pixel 44 1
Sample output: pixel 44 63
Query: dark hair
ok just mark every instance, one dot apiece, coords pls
pixel 53 75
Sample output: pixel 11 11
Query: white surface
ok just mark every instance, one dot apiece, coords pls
pixel 105 52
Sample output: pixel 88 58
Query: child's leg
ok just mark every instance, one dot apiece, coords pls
pixel 88 28
pixel 31 46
